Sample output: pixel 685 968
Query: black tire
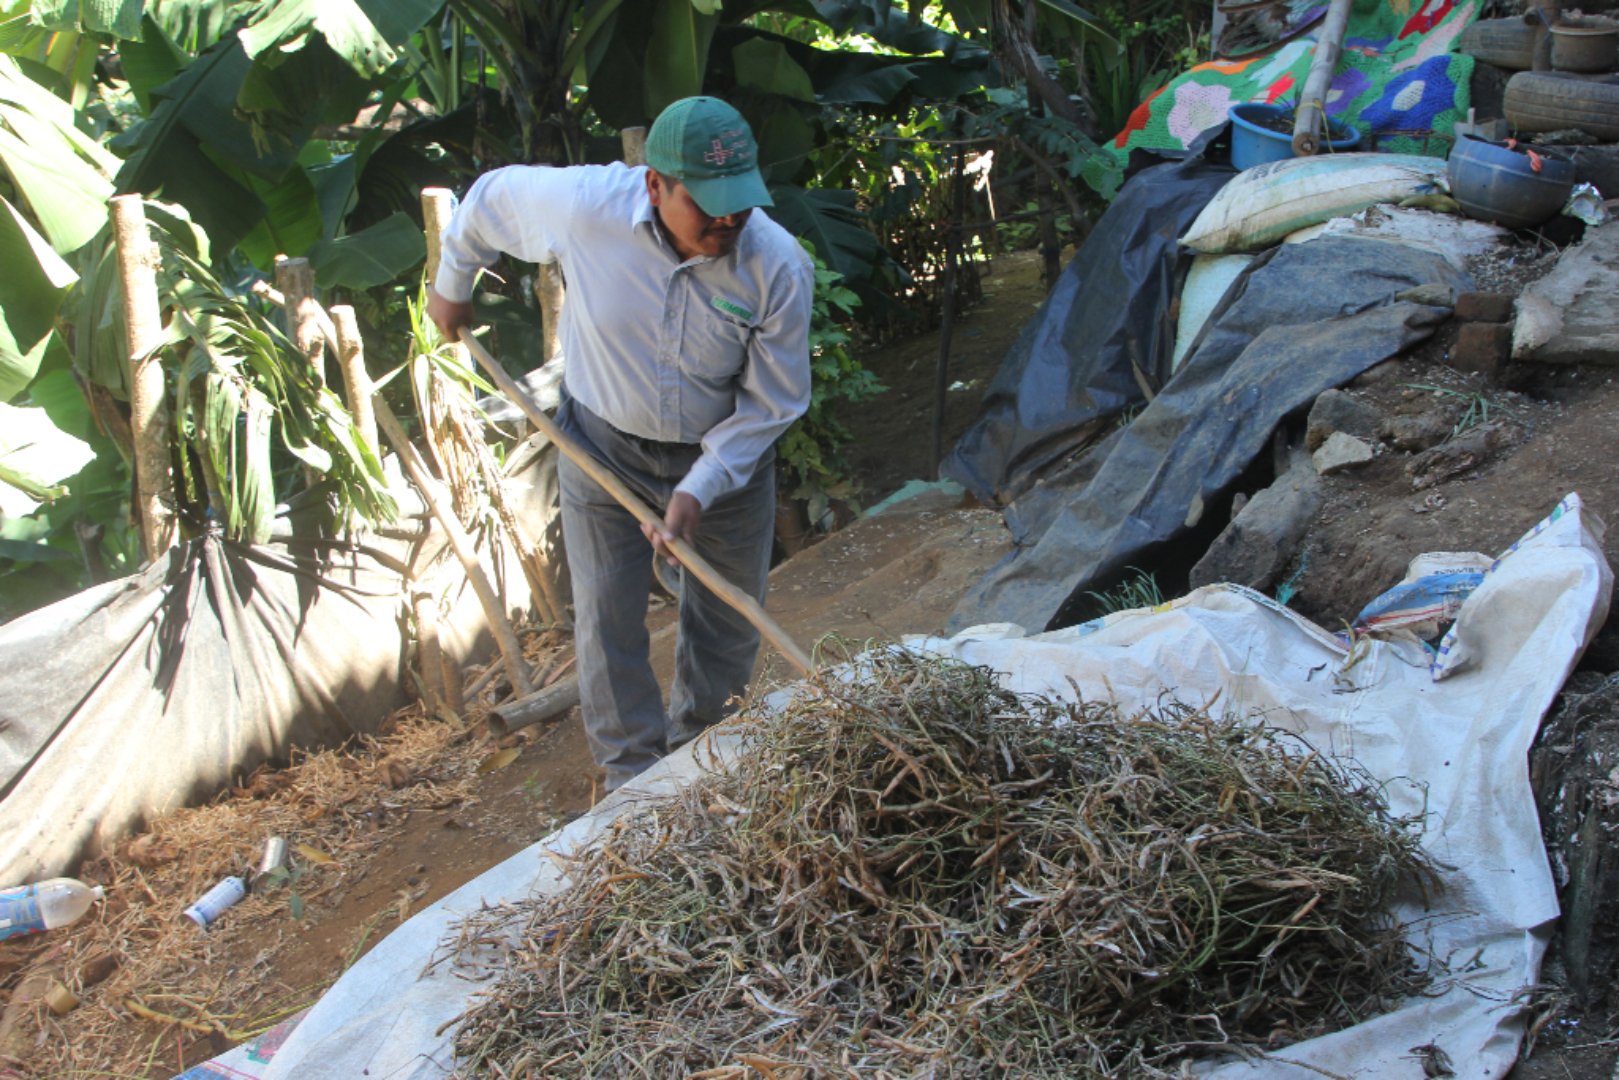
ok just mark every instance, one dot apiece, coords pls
pixel 1554 100
pixel 1506 43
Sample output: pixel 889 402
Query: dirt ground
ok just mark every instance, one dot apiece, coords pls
pixel 469 801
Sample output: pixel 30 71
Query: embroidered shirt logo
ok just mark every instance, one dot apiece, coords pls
pixel 719 303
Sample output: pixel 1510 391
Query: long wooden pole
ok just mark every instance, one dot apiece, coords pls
pixel 1310 118
pixel 749 608
pixel 143 330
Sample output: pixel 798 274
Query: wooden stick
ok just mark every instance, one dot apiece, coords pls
pixel 143 331
pixel 356 381
pixel 749 608
pixel 552 294
pixel 429 654
pixel 554 700
pixel 634 140
pixel 296 280
pixel 510 650
pixel 1310 125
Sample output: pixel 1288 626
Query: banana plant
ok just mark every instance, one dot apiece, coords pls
pixel 237 383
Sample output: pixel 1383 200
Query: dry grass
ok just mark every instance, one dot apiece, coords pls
pixel 156 991
pixel 913 873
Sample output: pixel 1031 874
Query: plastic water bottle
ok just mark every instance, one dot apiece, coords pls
pixel 45 905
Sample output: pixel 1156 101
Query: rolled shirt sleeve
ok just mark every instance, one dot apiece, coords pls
pixel 516 210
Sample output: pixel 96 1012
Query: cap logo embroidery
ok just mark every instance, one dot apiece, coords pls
pixel 719 153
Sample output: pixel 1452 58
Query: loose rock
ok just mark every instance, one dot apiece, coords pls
pixel 1342 452
pixel 1338 410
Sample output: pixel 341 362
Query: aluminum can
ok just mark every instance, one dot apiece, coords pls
pixel 213 903
pixel 275 855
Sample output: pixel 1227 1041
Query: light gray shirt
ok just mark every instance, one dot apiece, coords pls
pixel 704 350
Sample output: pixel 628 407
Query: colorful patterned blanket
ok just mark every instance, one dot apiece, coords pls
pixel 1397 82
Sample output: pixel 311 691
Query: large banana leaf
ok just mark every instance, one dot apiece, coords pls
pixel 35 457
pixel 121 18
pixel 766 66
pixel 831 221
pixel 150 62
pixel 292 219
pixel 678 54
pixel 365 33
pixel 199 106
pixel 31 290
pixel 196 24
pixel 62 176
pixel 370 257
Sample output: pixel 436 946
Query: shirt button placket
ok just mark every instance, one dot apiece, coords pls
pixel 668 373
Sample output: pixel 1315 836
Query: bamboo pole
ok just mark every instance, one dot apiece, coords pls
pixel 429 653
pixel 543 704
pixel 356 381
pixel 552 293
pixel 460 542
pixel 296 280
pixel 143 329
pixel 1310 118
pixel 743 603
pixel 634 140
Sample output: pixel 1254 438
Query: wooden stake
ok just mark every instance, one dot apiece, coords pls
pixel 356 381
pixel 634 140
pixel 552 293
pixel 429 653
pixel 947 316
pixel 296 280
pixel 143 330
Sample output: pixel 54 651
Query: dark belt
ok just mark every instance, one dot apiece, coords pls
pixel 641 441
pixel 652 444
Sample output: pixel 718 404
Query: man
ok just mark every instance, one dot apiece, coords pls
pixel 686 344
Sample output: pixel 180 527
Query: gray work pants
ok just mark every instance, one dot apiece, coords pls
pixel 610 565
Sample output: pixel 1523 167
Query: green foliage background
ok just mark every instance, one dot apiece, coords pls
pixel 262 128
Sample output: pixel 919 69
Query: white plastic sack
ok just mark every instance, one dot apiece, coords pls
pixel 1263 204
pixel 1205 286
pixel 1454 750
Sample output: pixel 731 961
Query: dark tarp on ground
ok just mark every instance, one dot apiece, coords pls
pixel 1310 317
pixel 1073 368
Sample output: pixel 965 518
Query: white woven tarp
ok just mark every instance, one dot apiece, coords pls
pixel 1455 749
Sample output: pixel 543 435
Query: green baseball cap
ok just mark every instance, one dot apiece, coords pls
pixel 706 145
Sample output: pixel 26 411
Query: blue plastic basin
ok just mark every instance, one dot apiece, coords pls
pixel 1254 144
pixel 1493 183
